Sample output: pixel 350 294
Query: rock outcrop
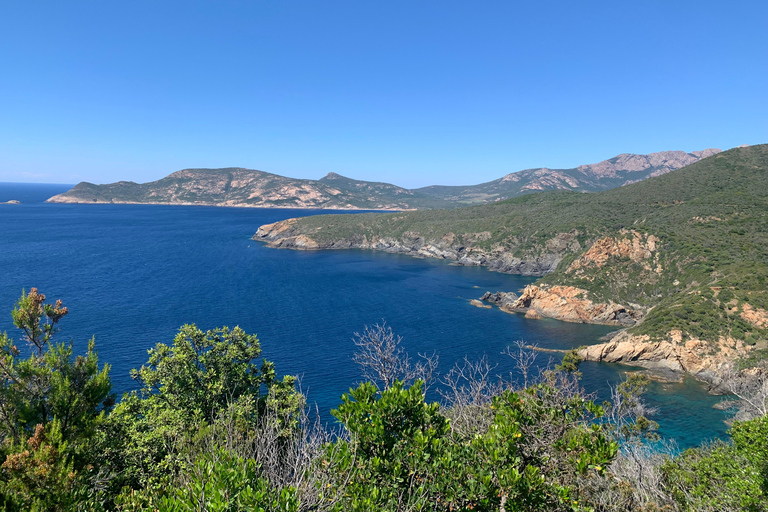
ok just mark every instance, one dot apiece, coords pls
pixel 656 163
pixel 693 356
pixel 755 316
pixel 503 300
pixel 571 304
pixel 634 246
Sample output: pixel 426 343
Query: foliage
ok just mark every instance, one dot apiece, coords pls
pixel 38 474
pixel 49 384
pixel 720 477
pixel 243 443
pixel 36 318
pixel 397 440
pixel 186 385
pixel 570 363
pixel 227 483
pixel 402 457
pixel 50 406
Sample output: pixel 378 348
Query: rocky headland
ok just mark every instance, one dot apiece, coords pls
pixel 235 186
pixel 673 261
pixel 571 304
pixel 676 353
pixel 463 250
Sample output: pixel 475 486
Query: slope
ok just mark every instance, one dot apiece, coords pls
pixel 681 257
pixel 246 187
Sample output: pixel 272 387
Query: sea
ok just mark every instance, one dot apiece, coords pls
pixel 131 275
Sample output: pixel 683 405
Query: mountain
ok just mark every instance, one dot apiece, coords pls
pixel 678 260
pixel 615 172
pixel 245 187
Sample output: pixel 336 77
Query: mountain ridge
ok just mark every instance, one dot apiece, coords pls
pixel 237 186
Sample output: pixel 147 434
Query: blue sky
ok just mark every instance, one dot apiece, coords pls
pixel 412 93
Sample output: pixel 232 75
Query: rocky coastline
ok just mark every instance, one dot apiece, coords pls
pixel 674 354
pixel 283 235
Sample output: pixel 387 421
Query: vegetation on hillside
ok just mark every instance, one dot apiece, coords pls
pixel 709 269
pixel 213 429
pixel 247 187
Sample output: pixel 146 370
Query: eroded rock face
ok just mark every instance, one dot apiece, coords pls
pixel 755 316
pixel 571 304
pixel 451 246
pixel 659 163
pixel 699 358
pixel 634 246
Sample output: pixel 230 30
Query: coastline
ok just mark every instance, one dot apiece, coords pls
pixel 221 205
pixel 669 354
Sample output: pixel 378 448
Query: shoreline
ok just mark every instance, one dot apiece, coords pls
pixel 219 205
pixel 671 352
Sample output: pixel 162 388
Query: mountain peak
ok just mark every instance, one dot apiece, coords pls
pixel 333 176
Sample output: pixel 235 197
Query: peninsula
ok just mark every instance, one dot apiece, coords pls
pixel 678 261
pixel 246 187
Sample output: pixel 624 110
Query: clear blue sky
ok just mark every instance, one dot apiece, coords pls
pixel 413 92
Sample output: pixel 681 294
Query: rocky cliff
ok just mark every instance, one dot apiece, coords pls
pixel 462 249
pixel 572 304
pixel 675 352
pixel 678 261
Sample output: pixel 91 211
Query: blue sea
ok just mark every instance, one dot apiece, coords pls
pixel 131 275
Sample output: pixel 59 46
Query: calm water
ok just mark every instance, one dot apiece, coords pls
pixel 132 274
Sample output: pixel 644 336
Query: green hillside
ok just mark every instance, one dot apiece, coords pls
pixel 234 186
pixel 710 219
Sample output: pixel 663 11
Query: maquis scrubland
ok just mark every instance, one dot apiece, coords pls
pixel 677 261
pixel 213 428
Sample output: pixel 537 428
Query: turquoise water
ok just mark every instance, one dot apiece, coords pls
pixel 132 274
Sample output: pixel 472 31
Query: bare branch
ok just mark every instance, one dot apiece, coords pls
pixel 750 387
pixel 468 389
pixel 384 361
pixel 524 357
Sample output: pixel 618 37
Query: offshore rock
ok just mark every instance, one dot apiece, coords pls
pixel 479 304
pixel 500 299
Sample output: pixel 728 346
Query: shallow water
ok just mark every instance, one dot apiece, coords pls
pixel 132 274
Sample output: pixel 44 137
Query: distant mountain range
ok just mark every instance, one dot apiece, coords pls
pixel 234 186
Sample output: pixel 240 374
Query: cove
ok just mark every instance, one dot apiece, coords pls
pixel 132 274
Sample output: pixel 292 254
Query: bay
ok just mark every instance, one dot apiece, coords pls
pixel 131 275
